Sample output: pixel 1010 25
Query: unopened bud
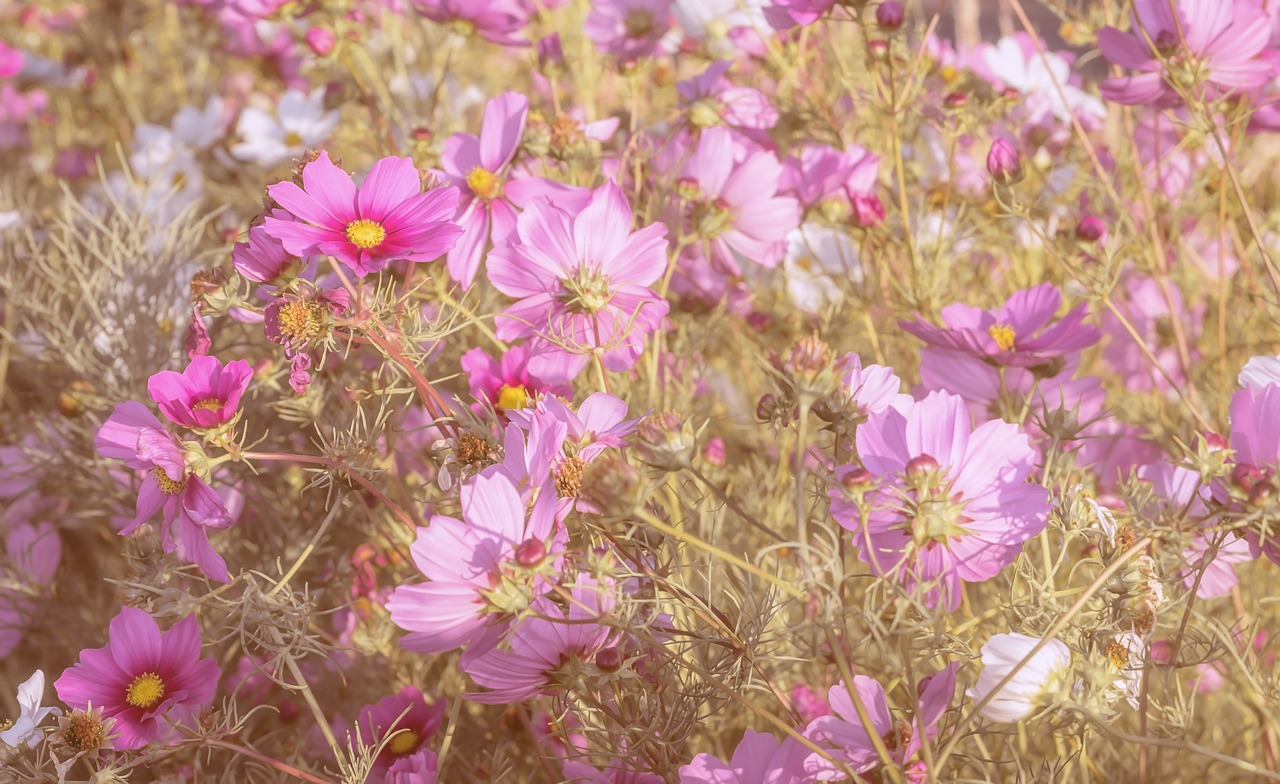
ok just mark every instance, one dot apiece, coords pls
pixel 890 15
pixel 1004 164
pixel 920 466
pixel 1091 228
pixel 321 41
pixel 530 553
pixel 609 659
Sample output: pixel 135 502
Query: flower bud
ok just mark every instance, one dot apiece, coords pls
pixel 890 15
pixel 1246 477
pixel 878 49
pixel 868 210
pixel 550 54
pixel 1213 442
pixel 321 41
pixel 530 553
pixel 1003 163
pixel 921 466
pixel 609 659
pixel 857 478
pixel 1091 228
pixel 956 100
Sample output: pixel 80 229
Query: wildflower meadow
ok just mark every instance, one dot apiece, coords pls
pixel 639 391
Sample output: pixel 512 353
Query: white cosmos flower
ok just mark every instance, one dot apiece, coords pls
pixel 820 263
pixel 1260 373
pixel 298 123
pixel 1017 698
pixel 26 728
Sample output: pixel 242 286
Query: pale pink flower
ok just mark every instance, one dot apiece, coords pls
pixel 205 395
pixel 952 503
pixel 1214 44
pixel 554 644
pixel 732 201
pixel 629 29
pixel 582 282
pixel 498 21
pixel 759 759
pixel 481 570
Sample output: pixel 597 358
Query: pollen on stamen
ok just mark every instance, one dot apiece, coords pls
pixel 145 691
pixel 1003 335
pixel 168 485
pixel 364 233
pixel 208 404
pixel 512 398
pixel 484 183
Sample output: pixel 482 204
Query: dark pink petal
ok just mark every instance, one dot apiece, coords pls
pixel 135 641
pixel 391 182
pixel 332 189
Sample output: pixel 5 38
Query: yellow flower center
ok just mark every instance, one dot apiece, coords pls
pixel 404 742
pixel 208 404
pixel 146 690
pixel 364 233
pixel 484 183
pixel 292 139
pixel 299 319
pixel 168 486
pixel 511 398
pixel 6 724
pixel 1003 335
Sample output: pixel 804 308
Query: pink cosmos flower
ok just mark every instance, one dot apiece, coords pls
pixel 759 759
pixel 1019 333
pixel 143 678
pixel 582 282
pixel 1178 493
pixel 873 387
pixel 262 259
pixel 421 767
pixel 1214 43
pixel 732 201
pixel 134 435
pixel 10 60
pixel 1149 313
pixel 480 167
pixel 507 383
pixel 952 503
pixel 786 14
pixel 386 218
pixel 711 99
pixel 845 734
pixel 410 717
pixel 33 553
pixel 820 175
pixel 563 442
pixel 1251 488
pixel 299 320
pixel 481 570
pixel 629 29
pixel 205 395
pixel 553 642
pixel 498 21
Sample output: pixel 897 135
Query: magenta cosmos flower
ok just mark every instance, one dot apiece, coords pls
pixel 629 29
pixel 481 570
pixel 387 218
pixel 498 21
pixel 413 720
pixel 262 259
pixel 583 284
pixel 846 736
pixel 731 200
pixel 758 759
pixel 952 504
pixel 143 678
pixel 205 395
pixel 187 504
pixel 506 383
pixel 480 167
pixel 1216 43
pixel 1018 333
